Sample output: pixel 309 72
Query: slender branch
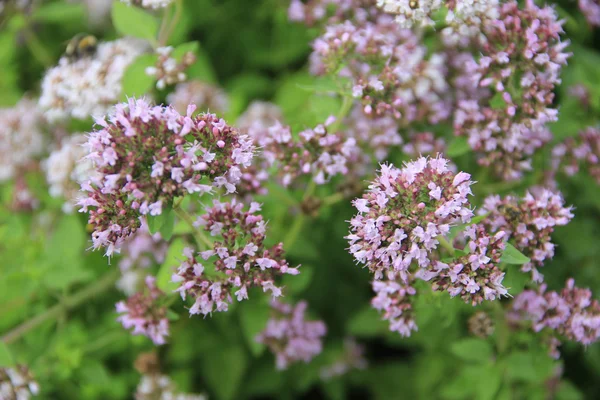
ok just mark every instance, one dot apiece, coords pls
pixel 173 23
pixel 36 48
pixel 332 199
pixel 294 231
pixel 103 284
pixel 344 110
pixel 446 245
pixel 198 235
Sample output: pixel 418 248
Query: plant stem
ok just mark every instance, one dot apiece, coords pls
pixel 166 30
pixel 103 284
pixel 332 199
pixel 294 231
pixel 344 110
pixel 198 235
pixel 446 245
pixel 36 48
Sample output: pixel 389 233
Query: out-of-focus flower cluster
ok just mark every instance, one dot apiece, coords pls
pixel 572 313
pixel 238 259
pixel 529 223
pixel 519 65
pixel 152 4
pixel 411 12
pixel 204 95
pixel 21 137
pixel 591 10
pixel 146 313
pixel 394 297
pixel 17 383
pixel 91 85
pixel 145 156
pixel 352 357
pixel 290 336
pixel 576 153
pixel 168 70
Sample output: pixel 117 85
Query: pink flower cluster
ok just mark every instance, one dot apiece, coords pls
pixel 352 357
pixel 145 156
pixel 376 135
pixel 571 312
pixel 591 10
pixel 393 296
pixel 145 314
pixel 290 336
pixel 238 259
pixel 474 276
pixel 403 213
pixel 520 64
pixel 388 69
pixel 579 152
pixel 312 12
pixel 529 223
pixel 168 70
pixel 424 143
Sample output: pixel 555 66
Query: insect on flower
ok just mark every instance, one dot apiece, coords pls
pixel 81 45
pixel 413 4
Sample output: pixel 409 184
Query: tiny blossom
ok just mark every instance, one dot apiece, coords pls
pixel 508 125
pixel 168 70
pixel 21 138
pixel 474 276
pixel 466 20
pixel 145 314
pixel 393 296
pixel 160 387
pixel 89 86
pixel 409 13
pixel 152 4
pixel 403 213
pixel 591 10
pixel 290 336
pixel 378 135
pixel 313 11
pixel 17 383
pixel 145 156
pixel 576 153
pixel 528 223
pixel 572 312
pixel 259 115
pixel 238 255
pixel 581 93
pixel 481 325
pixel 352 357
pixel 424 143
pixel 388 68
pixel 140 251
pixel 204 95
pixel 66 169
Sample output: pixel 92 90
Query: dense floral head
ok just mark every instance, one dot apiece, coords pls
pixel 290 336
pixel 474 276
pixel 572 312
pixel 581 152
pixel 528 222
pixel 21 138
pixel 204 95
pixel 237 260
pixel 157 386
pixel 17 383
pixel 394 296
pixel 352 357
pixel 146 313
pixel 89 86
pixel 167 69
pixel 404 211
pixel 152 4
pixel 312 12
pixel 146 156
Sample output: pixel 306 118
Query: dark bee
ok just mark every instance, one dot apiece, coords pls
pixel 82 45
pixel 510 212
pixel 413 4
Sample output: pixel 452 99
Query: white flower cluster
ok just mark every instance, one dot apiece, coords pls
pixel 20 137
pixel 66 169
pixel 411 12
pixel 153 4
pixel 467 19
pixel 88 86
pixel 204 95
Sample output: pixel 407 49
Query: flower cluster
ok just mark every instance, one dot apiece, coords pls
pixel 238 259
pixel 411 12
pixel 374 134
pixel 145 314
pixel 290 336
pixel 388 69
pixel 591 10
pixel 259 115
pixel 204 95
pixel 571 312
pixel 352 357
pixel 160 387
pixel 66 169
pixel 139 252
pixel 394 296
pixel 466 19
pixel 89 86
pixel 481 325
pixel 580 152
pixel 145 156
pixel 474 276
pixel 317 152
pixel 529 223
pixel 520 65
pixel 21 137
pixel 312 11
pixel 152 4
pixel 424 143
pixel 16 383
pixel 168 70
pixel 403 213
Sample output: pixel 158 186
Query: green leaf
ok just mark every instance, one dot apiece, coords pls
pixel 135 80
pixel 471 349
pixel 296 284
pixel 134 21
pixel 223 369
pixel 6 359
pixel 253 314
pixel 458 146
pixel 59 12
pixel 163 278
pixel 367 323
pixel 165 219
pixel 185 48
pixel 202 69
pixel 513 256
pixel 497 102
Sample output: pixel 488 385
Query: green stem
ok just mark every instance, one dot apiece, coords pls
pixel 294 231
pixel 446 245
pixel 332 199
pixel 168 31
pixel 310 190
pixel 282 195
pixel 36 48
pixel 103 284
pixel 344 110
pixel 198 235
